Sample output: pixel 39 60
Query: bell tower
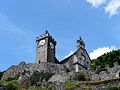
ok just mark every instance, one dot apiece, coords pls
pixel 80 43
pixel 45 48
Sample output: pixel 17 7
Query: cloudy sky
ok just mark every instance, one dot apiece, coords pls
pixel 97 21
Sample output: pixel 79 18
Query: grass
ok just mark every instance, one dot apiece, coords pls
pixel 99 82
pixel 17 87
pixel 69 85
pixel 74 85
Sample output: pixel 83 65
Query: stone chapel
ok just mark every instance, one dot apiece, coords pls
pixel 45 53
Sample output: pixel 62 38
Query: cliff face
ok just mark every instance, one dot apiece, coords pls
pixel 107 74
pixel 28 69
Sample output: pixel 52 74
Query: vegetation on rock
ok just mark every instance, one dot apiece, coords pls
pixel 39 77
pixel 71 85
pixel 80 76
pixel 12 78
pixel 87 85
pixel 11 83
pixel 113 88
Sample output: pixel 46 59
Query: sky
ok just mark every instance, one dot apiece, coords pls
pixel 21 21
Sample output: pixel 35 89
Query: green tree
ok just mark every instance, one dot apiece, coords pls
pixel 105 59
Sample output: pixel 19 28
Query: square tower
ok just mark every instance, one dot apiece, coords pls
pixel 45 48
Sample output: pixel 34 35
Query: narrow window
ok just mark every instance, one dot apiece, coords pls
pixel 39 61
pixel 119 74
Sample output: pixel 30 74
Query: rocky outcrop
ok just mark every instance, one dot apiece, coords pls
pixel 28 69
pixel 24 81
pixel 62 78
pixel 110 73
pixel 107 84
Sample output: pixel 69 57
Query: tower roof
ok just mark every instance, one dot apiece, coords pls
pixel 45 35
pixel 80 43
pixel 80 39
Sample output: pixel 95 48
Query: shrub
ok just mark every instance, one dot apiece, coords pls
pixel 40 77
pixel 88 87
pixel 80 76
pixel 10 86
pixel 35 78
pixel 46 76
pixel 12 78
pixel 112 88
pixel 71 85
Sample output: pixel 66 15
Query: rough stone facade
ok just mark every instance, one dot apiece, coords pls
pixel 45 52
pixel 77 61
pixel 45 48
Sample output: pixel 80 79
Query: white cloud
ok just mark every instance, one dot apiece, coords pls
pixel 110 6
pixel 71 52
pixel 113 7
pixel 100 51
pixel 96 3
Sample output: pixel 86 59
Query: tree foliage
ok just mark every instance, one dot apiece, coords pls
pixel 106 59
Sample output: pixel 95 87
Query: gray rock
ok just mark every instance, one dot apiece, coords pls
pixel 24 81
pixel 28 69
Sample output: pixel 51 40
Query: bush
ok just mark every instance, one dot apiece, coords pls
pixel 113 88
pixel 71 85
pixel 10 86
pixel 88 87
pixel 40 77
pixel 80 76
pixel 12 78
pixel 35 78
